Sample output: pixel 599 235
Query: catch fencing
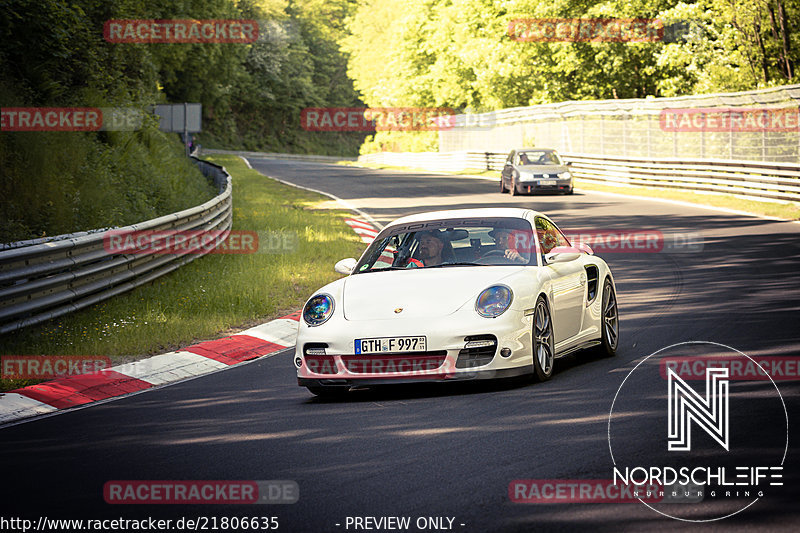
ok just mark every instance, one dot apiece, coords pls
pixel 47 278
pixel 754 125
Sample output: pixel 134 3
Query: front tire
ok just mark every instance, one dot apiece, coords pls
pixel 503 186
pixel 609 321
pixel 543 345
pixel 514 190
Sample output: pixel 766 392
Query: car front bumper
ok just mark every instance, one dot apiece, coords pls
pixel 560 185
pixel 447 356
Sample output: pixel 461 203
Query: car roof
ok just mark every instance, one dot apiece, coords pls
pixel 499 212
pixel 534 149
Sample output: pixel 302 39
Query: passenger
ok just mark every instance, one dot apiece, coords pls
pixel 523 159
pixel 503 243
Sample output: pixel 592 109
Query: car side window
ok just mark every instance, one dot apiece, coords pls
pixel 549 235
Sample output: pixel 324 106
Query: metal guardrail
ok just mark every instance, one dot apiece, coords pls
pixel 773 181
pixel 44 280
pixel 272 155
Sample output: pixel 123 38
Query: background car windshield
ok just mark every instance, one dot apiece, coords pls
pixel 540 157
pixel 441 243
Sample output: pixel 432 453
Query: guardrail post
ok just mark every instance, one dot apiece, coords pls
pixel 583 134
pixel 675 143
pixel 730 139
pixel 703 136
pixel 624 136
pixel 602 136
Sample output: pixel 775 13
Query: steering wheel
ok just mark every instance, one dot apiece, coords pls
pixel 491 253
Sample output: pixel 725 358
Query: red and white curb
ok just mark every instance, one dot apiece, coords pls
pixel 192 361
pixel 365 230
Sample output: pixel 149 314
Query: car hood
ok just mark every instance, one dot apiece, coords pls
pixel 420 293
pixel 543 169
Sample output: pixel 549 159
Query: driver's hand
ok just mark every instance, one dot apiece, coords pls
pixel 513 255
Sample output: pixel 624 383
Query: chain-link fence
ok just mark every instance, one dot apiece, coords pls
pixel 755 125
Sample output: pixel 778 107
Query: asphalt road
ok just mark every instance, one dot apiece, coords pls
pixel 452 451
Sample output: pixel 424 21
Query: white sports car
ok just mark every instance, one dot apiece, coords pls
pixel 463 294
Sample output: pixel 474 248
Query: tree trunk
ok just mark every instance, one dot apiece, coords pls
pixel 787 60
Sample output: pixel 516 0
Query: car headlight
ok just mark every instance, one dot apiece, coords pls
pixel 318 310
pixel 493 302
pixel 525 176
pixel 564 175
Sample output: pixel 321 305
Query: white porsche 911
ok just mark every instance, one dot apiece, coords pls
pixel 463 294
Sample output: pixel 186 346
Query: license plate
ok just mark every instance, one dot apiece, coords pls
pixel 547 182
pixel 390 345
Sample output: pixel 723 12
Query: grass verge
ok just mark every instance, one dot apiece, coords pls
pixel 214 295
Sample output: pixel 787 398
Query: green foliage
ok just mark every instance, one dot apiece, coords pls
pixel 458 54
pixel 296 63
pixel 733 45
pixel 52 53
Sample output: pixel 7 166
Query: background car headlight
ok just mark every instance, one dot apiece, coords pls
pixel 492 302
pixel 564 175
pixel 525 176
pixel 318 310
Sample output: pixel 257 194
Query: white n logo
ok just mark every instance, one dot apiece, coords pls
pixel 685 405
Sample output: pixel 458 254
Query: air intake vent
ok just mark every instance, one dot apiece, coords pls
pixel 591 283
pixel 315 348
pixel 478 350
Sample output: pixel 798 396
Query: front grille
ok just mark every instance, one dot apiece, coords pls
pixel 394 362
pixel 475 357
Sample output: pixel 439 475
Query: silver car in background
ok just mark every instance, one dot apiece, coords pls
pixel 530 170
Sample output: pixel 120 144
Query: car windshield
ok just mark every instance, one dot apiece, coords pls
pixel 539 157
pixel 453 242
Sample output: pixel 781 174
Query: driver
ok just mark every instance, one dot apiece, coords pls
pixel 429 252
pixel 503 242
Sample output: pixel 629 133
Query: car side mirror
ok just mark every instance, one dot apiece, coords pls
pixel 585 248
pixel 568 163
pixel 562 254
pixel 345 266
